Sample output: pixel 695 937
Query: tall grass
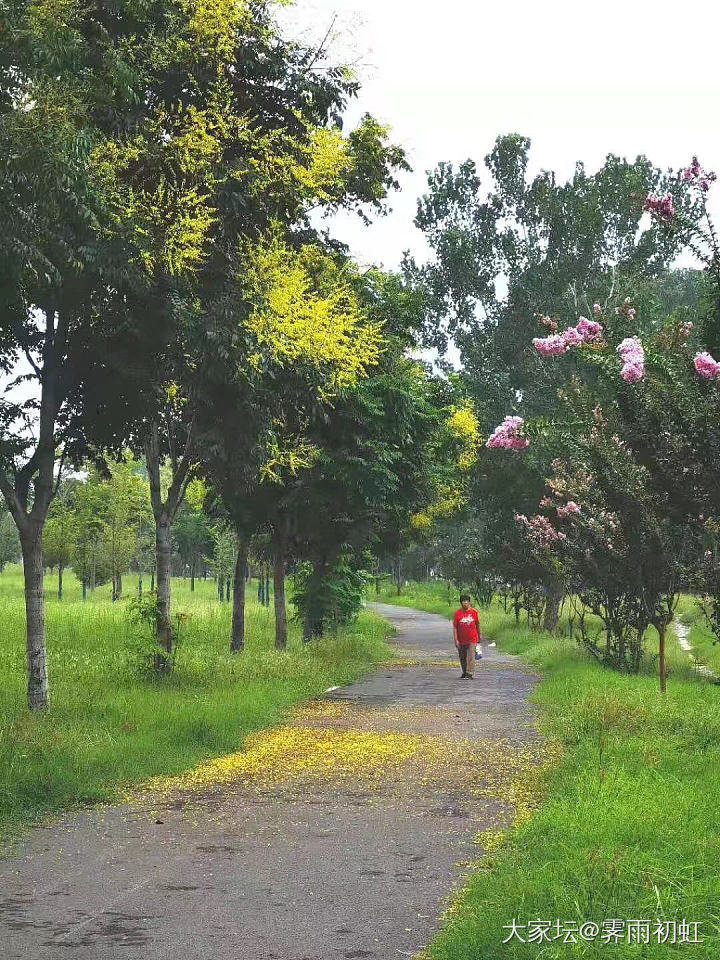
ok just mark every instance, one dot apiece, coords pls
pixel 111 723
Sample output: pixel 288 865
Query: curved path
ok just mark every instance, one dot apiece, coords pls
pixel 303 870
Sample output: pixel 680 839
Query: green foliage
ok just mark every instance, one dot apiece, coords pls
pixel 329 596
pixel 142 612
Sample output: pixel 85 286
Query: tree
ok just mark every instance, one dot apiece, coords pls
pixel 9 541
pixel 192 530
pixel 508 260
pixel 261 127
pixel 383 455
pixel 81 92
pixel 126 509
pixel 59 535
pixel 89 559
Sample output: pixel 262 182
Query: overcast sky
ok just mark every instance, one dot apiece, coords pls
pixel 581 80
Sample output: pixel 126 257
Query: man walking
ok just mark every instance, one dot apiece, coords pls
pixel 466 635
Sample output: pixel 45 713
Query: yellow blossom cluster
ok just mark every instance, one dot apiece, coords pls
pixel 307 310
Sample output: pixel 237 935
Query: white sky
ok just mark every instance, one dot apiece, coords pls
pixel 580 79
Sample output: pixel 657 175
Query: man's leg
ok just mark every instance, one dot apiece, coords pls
pixel 470 656
pixel 464 658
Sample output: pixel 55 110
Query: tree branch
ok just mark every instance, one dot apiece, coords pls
pixel 14 505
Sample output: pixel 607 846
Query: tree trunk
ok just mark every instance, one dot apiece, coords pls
pixel 140 584
pixel 119 585
pixel 314 619
pixel 60 573
pixel 552 607
pixel 227 590
pixel 279 591
pixel 31 543
pixel 163 628
pixel 164 512
pixel 398 575
pixel 192 576
pixel 663 666
pixel 84 590
pixel 237 636
pixel 152 581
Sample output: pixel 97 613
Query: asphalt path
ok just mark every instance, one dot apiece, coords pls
pixel 306 871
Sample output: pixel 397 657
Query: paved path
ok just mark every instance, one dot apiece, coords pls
pixel 308 869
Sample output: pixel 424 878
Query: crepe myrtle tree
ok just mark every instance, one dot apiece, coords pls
pixel 635 436
pixel 104 209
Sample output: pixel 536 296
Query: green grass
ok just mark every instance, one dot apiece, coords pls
pixel 110 724
pixel 435 596
pixel 628 827
pixel 706 650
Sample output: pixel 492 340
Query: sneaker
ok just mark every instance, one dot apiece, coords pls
pixel 462 676
pixel 469 676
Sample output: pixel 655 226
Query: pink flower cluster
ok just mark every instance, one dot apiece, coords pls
pixel 559 343
pixel 633 358
pixel 706 366
pixel 661 207
pixel 696 173
pixel 507 435
pixel 569 508
pixel 540 531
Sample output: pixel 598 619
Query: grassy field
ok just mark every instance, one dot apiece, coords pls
pixel 111 723
pixel 628 828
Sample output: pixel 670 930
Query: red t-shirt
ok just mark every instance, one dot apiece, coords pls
pixel 467 623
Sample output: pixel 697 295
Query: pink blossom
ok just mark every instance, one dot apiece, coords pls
pixel 597 308
pixel 706 366
pixel 559 343
pixel 589 329
pixel 572 338
pixel 661 207
pixel 507 436
pixel 570 507
pixel 540 531
pixel 703 178
pixel 632 372
pixel 633 357
pixel 550 346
